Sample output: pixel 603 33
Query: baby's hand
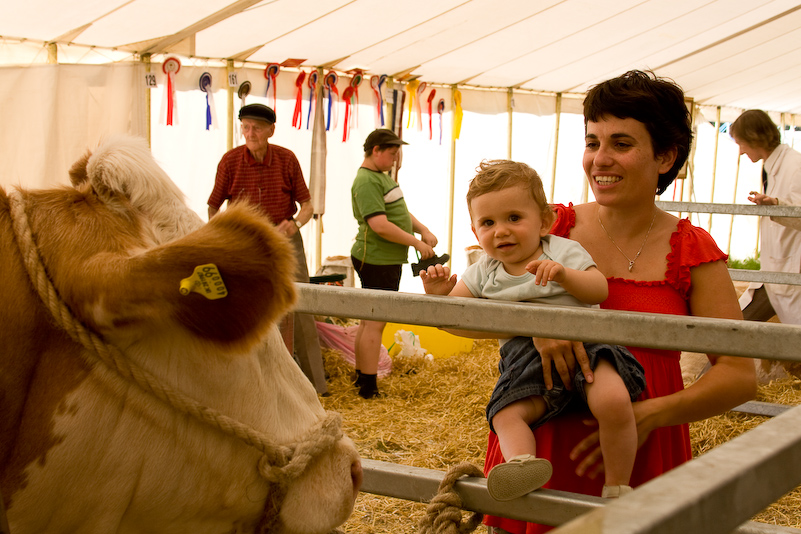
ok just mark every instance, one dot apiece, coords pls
pixel 545 271
pixel 437 280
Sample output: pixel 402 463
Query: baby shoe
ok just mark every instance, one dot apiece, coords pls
pixel 517 477
pixel 613 492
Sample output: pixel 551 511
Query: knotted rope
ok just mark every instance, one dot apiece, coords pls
pixel 444 512
pixel 279 463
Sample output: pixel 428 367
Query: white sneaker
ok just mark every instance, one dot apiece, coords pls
pixel 518 476
pixel 614 492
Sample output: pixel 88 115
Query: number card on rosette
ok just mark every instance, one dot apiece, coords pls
pixel 169 114
pixel 211 112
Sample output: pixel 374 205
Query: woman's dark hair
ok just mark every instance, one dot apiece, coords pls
pixel 656 102
pixel 756 128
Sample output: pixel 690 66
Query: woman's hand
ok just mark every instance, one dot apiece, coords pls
pixel 564 355
pixel 588 451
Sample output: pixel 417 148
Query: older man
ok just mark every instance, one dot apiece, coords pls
pixel 269 176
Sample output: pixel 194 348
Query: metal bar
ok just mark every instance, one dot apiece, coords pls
pixel 546 507
pixel 696 334
pixel 769 277
pixel 767 409
pixel 712 494
pixel 735 209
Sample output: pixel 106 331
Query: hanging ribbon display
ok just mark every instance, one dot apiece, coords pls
pixel 347 97
pixel 377 83
pixel 411 88
pixel 418 104
pixel 457 113
pixel 330 83
pixel 355 82
pixel 171 66
pixel 271 73
pixel 211 112
pixel 440 111
pixel 297 120
pixel 312 83
pixel 242 92
pixel 431 96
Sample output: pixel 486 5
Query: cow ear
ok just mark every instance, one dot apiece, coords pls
pixel 78 173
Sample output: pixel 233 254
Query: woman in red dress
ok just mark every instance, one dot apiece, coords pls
pixel 638 136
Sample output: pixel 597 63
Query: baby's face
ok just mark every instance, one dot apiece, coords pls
pixel 509 226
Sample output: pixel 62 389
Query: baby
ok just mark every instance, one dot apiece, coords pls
pixel 511 219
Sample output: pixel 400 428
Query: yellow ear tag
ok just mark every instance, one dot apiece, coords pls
pixel 206 280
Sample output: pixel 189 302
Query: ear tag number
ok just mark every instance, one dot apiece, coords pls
pixel 206 280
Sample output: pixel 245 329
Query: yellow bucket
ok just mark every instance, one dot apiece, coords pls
pixel 437 342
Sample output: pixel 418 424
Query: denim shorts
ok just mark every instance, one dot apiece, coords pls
pixel 522 377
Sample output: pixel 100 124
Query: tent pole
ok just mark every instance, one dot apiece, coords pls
pixel 146 61
pixel 714 166
pixel 52 53
pixel 558 112
pixel 451 185
pixel 318 168
pixel 734 201
pixel 510 104
pixel 230 125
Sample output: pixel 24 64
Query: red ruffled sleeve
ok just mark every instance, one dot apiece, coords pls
pixel 690 246
pixel 565 220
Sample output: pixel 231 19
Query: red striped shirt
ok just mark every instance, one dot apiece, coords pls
pixel 276 185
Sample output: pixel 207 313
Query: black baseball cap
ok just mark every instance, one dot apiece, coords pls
pixel 258 112
pixel 382 136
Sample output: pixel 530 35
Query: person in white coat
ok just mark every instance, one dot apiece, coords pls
pixel 780 237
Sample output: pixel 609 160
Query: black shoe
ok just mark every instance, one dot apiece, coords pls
pixel 423 265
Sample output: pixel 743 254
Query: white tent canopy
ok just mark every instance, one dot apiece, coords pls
pixel 72 71
pixel 735 53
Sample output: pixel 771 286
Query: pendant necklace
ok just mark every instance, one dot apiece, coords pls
pixel 631 261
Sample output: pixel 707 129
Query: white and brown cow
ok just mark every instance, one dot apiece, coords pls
pixel 82 451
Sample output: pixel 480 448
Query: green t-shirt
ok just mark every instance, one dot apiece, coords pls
pixel 375 193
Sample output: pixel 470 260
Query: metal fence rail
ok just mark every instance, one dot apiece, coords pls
pixel 671 332
pixel 712 494
pixel 730 209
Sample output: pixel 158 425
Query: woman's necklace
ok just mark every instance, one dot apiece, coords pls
pixel 631 261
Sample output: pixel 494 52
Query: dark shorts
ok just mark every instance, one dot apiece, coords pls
pixel 385 277
pixel 521 377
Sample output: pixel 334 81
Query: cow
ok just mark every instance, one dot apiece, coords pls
pixel 144 385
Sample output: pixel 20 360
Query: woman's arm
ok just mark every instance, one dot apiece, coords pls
pixel 730 382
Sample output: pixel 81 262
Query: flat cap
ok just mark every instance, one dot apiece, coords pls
pixel 382 136
pixel 259 112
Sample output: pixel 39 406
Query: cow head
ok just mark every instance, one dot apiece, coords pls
pixel 82 449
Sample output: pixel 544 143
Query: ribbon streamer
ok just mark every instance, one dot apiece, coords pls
pixel 211 112
pixel 431 96
pixel 411 88
pixel 377 82
pixel 440 111
pixel 347 96
pixel 418 104
pixel 171 66
pixel 355 82
pixel 297 119
pixel 330 81
pixel 271 72
pixel 457 113
pixel 312 83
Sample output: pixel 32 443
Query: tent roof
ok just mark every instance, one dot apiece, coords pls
pixel 737 53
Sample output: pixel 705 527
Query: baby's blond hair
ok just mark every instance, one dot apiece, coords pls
pixel 495 175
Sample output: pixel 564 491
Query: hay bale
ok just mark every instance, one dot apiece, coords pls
pixel 432 416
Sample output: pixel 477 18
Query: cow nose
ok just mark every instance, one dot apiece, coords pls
pixel 356 475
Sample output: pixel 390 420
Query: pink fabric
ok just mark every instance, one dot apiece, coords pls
pixel 343 339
